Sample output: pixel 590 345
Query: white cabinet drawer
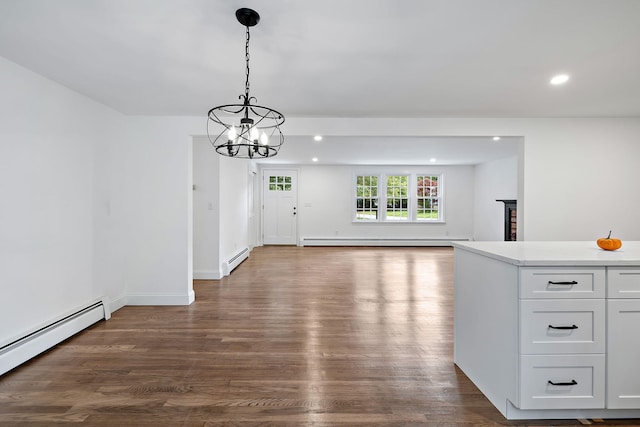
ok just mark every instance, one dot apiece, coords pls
pixel 562 282
pixel 562 326
pixel 562 381
pixel 623 282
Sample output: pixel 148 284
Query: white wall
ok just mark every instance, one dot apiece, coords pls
pixel 575 176
pixel 559 172
pixel 234 211
pixel 156 167
pixel 325 201
pixel 579 179
pixel 56 220
pixel 220 210
pixel 206 211
pixel 108 259
pixel 497 179
pixel 254 208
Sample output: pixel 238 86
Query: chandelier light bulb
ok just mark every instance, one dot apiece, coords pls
pixel 264 139
pixel 254 134
pixel 233 135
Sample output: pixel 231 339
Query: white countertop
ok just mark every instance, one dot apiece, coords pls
pixel 555 253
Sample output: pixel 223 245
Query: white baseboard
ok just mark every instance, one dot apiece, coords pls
pixel 514 413
pixel 118 303
pixel 159 299
pixel 234 261
pixel 19 349
pixel 207 274
pixel 225 269
pixel 37 341
pixel 358 241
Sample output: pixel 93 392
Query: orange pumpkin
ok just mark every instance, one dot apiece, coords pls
pixel 609 244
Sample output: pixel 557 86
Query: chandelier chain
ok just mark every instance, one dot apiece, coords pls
pixel 246 55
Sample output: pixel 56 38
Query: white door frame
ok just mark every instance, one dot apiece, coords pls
pixel 264 172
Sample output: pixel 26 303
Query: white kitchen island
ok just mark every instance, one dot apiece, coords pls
pixel 550 329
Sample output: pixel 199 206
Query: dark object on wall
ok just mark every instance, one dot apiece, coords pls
pixel 510 219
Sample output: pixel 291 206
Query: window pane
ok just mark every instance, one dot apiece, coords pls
pixel 427 198
pixel 422 204
pixel 366 198
pixel 397 197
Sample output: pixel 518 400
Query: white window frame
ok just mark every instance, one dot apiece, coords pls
pixel 439 197
pixel 385 198
pixel 412 202
pixel 354 198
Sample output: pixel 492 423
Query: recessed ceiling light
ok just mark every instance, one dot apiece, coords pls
pixel 559 79
pixel 317 138
pixel 315 159
pixel 433 160
pixel 496 138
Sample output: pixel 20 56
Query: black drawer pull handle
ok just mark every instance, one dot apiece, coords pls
pixel 573 382
pixel 573 282
pixel 563 327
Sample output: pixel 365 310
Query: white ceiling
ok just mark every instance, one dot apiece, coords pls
pixel 337 58
pixel 381 150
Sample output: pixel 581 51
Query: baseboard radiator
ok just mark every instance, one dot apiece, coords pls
pixel 24 348
pixel 234 261
pixel 331 241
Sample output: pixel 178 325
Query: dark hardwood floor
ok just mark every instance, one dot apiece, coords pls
pixel 294 337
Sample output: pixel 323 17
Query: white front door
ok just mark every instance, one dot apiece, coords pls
pixel 280 209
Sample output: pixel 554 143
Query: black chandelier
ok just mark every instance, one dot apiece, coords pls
pixel 247 130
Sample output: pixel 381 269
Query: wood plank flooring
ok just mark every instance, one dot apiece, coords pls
pixel 294 337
